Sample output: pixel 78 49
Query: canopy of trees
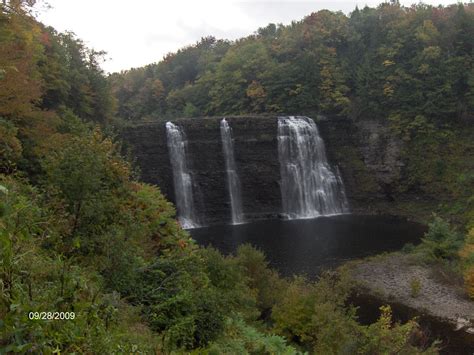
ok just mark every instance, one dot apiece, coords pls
pixel 408 64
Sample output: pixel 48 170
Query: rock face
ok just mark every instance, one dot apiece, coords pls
pixel 256 157
pixel 368 159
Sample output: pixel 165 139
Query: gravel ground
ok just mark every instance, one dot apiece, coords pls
pixel 390 277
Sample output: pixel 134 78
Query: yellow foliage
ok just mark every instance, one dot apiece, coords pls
pixel 467 254
pixel 468 248
pixel 388 89
pixel 256 90
pixel 431 52
pixel 469 281
pixel 427 33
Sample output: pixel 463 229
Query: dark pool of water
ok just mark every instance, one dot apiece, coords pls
pixel 311 245
pixel 452 342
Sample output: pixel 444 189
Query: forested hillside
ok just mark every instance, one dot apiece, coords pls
pixel 79 234
pixel 411 65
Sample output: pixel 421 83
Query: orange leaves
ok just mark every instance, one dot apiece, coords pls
pixel 157 88
pixel 182 244
pixel 45 39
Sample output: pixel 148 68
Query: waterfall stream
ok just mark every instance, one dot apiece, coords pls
pixel 309 186
pixel 182 178
pixel 233 182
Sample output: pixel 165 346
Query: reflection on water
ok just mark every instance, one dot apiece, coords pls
pixel 309 245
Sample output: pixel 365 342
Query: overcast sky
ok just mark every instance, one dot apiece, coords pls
pixel 139 32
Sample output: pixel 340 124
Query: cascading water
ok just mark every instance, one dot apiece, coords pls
pixel 183 183
pixel 309 187
pixel 233 181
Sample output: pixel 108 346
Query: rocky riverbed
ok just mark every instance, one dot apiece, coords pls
pixel 399 278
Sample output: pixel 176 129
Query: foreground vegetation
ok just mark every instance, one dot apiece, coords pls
pixel 137 283
pixel 79 233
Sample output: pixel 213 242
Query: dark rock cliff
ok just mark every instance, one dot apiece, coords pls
pixel 366 155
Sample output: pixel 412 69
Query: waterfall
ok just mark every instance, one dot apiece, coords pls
pixel 309 187
pixel 233 181
pixel 182 179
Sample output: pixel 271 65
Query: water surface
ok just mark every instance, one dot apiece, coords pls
pixel 308 246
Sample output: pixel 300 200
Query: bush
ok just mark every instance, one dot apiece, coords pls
pixel 179 301
pixel 37 279
pixel 10 147
pixel 87 181
pixel 240 338
pixel 315 314
pixel 265 281
pixel 467 256
pixel 441 242
pixel 232 283
pixel 469 281
pixel 415 287
pixel 385 337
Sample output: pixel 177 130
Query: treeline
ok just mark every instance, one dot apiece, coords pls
pixel 407 64
pixel 79 233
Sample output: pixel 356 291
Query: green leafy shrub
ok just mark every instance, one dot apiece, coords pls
pixel 10 146
pixel 90 178
pixel 265 281
pixel 232 282
pixel 241 338
pixel 415 287
pixel 179 301
pixel 315 314
pixel 467 257
pixel 37 279
pixel 385 337
pixel 441 242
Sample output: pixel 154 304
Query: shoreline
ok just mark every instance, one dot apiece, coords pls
pixel 398 278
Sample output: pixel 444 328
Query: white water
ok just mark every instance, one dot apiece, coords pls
pixel 233 181
pixel 183 183
pixel 309 187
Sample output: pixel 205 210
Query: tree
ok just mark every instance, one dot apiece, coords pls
pixel 91 179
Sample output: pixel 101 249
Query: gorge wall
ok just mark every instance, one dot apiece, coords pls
pixel 364 152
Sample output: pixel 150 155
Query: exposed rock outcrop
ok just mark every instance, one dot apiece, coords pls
pixel 367 156
pixel 397 277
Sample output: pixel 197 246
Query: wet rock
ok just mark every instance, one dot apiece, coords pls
pixel 364 151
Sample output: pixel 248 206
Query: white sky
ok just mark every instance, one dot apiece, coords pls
pixel 139 32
